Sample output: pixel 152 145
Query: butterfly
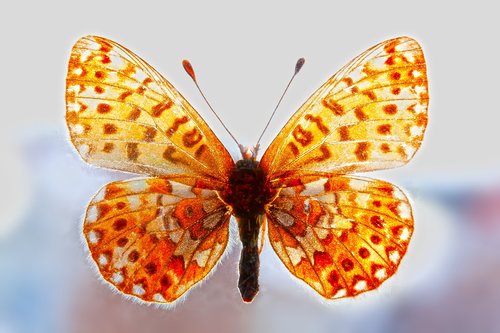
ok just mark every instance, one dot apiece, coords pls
pixel 156 236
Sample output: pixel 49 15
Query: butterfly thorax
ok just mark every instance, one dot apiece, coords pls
pixel 247 191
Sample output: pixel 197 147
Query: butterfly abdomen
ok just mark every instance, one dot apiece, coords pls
pixel 248 283
pixel 247 193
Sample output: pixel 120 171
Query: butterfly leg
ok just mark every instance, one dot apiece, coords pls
pixel 262 237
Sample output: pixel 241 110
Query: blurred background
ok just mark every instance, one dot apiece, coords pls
pixel 243 55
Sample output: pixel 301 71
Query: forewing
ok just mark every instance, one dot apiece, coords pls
pixel 370 115
pixel 154 238
pixel 341 235
pixel 124 115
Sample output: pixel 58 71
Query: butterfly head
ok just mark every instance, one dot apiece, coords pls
pixel 249 153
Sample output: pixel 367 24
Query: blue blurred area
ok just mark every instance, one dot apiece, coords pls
pixel 448 281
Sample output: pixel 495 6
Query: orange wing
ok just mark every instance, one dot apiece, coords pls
pixel 154 238
pixel 341 235
pixel 370 115
pixel 124 115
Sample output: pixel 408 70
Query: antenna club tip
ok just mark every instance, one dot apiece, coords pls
pixel 188 68
pixel 299 64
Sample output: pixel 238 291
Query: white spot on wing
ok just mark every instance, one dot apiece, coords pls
pixel 311 242
pixel 357 74
pixel 420 108
pixel 182 190
pixel 91 214
pixel 327 220
pixel 99 196
pixel 186 246
pixel 171 223
pixel 103 260
pixel 175 236
pixel 327 198
pixel 154 86
pixel 74 107
pixel 140 75
pixel 340 293
pixel 360 285
pixel 410 58
pixel 306 206
pixel 113 76
pixel 181 288
pixel 357 184
pixel 117 278
pixel 378 62
pixel 408 149
pixel 117 61
pixel 398 194
pixel 201 257
pixel 314 188
pixel 134 202
pixel 381 274
pixel 405 44
pixel 295 254
pixel 362 199
pixel 167 200
pixel 405 234
pixel 138 186
pixel 278 247
pixel 85 55
pixel 416 131
pixel 404 210
pixel 84 150
pixel 420 89
pixel 159 298
pixel 394 256
pixel 321 232
pixel 217 249
pixel 93 237
pixel 138 290
pixel 74 88
pixel 318 286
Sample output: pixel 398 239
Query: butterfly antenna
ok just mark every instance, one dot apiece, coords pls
pixel 189 69
pixel 298 66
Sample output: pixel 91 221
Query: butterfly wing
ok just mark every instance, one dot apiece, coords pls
pixel 345 235
pixel 370 115
pixel 154 238
pixel 342 235
pixel 124 115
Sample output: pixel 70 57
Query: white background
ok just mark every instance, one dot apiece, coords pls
pixel 243 54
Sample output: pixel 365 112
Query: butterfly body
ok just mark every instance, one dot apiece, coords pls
pixel 156 236
pixel 247 193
